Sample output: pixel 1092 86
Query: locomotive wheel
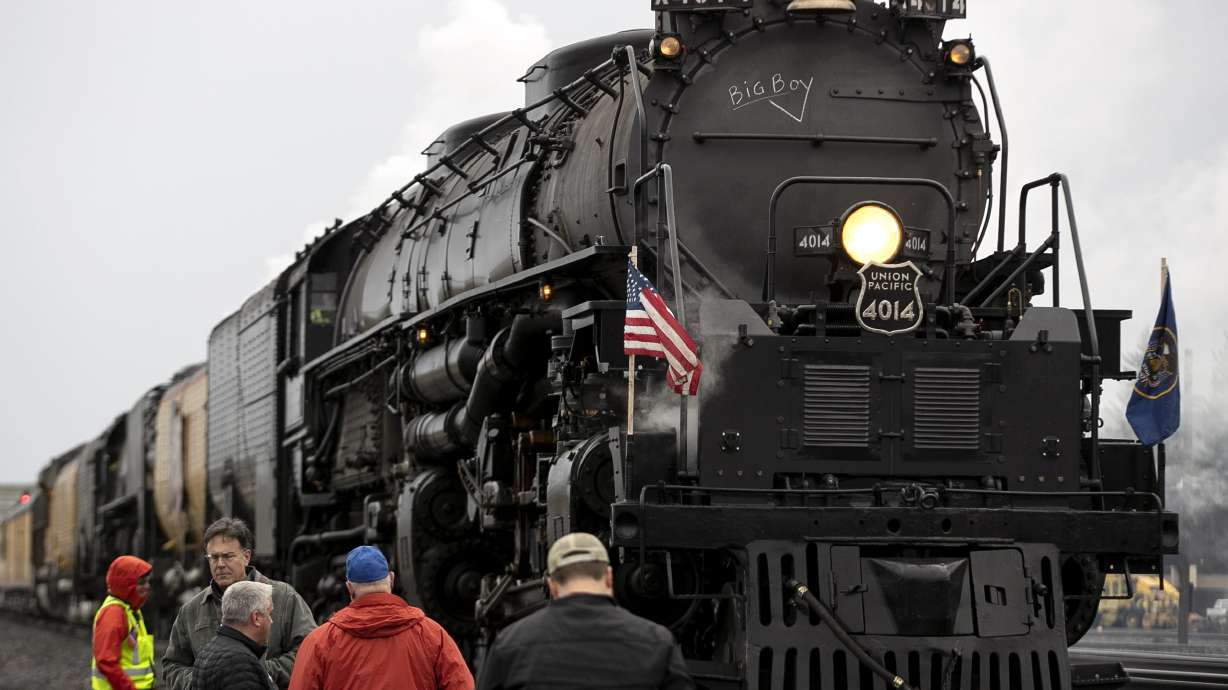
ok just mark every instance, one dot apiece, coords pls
pixel 1081 576
pixel 451 580
pixel 441 505
pixel 643 589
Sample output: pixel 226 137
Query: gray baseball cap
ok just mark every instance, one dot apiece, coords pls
pixel 577 547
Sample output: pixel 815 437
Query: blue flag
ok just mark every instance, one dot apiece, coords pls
pixel 1154 411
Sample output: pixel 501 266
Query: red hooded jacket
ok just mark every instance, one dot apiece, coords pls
pixel 112 626
pixel 379 642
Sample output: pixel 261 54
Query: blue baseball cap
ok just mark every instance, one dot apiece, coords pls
pixel 365 564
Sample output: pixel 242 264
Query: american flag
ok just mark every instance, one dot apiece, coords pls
pixel 651 329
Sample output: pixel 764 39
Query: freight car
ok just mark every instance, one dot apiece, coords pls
pixel 136 488
pixel 16 556
pixel 892 464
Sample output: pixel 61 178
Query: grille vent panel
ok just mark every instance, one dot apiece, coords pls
pixel 788 659
pixel 947 409
pixel 836 406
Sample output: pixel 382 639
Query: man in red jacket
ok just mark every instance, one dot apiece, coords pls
pixel 123 650
pixel 378 642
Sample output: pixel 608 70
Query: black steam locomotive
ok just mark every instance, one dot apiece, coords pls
pixel 892 466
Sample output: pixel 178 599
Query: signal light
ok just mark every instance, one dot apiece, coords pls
pixel 668 51
pixel 871 232
pixel 25 498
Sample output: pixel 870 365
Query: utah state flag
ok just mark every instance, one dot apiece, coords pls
pixel 1154 410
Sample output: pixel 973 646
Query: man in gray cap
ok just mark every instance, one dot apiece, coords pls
pixel 583 634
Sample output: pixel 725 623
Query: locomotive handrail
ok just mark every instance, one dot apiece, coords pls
pixel 816 139
pixel 1006 493
pixel 769 280
pixel 677 245
pixel 665 174
pixel 1012 255
pixel 474 188
pixel 1155 498
pixel 1006 149
pixel 446 160
pixel 1089 315
pixel 641 116
pixel 1051 242
pixel 590 77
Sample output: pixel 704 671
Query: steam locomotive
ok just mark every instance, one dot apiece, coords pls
pixel 892 466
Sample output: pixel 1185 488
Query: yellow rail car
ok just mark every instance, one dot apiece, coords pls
pixel 61 537
pixel 179 463
pixel 1152 606
pixel 17 558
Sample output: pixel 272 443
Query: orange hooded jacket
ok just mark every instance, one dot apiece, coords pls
pixel 112 626
pixel 379 642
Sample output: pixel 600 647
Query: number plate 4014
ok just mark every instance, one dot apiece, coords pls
pixel 890 300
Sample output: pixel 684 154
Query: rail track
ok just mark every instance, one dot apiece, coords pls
pixel 1154 669
pixel 1142 669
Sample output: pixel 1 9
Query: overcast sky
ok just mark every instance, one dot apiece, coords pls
pixel 159 159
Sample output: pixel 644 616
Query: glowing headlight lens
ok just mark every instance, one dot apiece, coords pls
pixel 670 47
pixel 960 54
pixel 871 233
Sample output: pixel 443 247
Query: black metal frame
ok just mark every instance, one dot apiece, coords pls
pixel 679 526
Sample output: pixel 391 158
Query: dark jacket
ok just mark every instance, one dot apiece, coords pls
pixel 231 661
pixel 198 621
pixel 584 641
pixel 379 642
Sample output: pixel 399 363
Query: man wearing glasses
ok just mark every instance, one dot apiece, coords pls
pixel 228 550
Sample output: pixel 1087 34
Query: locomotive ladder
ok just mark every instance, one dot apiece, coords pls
pixel 1051 246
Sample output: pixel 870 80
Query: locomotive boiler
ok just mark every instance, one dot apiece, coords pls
pixel 886 421
pixel 892 469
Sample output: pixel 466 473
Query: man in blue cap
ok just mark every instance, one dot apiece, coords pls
pixel 378 642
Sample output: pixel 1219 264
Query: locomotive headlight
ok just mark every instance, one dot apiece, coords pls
pixel 871 232
pixel 822 6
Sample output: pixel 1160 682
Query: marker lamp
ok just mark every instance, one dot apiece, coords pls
pixel 670 47
pixel 960 53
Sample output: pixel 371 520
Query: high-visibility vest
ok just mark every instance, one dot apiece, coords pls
pixel 135 653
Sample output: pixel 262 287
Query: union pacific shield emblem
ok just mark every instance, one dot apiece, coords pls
pixel 890 300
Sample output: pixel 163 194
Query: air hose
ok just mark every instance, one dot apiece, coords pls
pixel 804 599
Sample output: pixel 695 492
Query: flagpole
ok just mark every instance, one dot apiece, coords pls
pixel 634 258
pixel 1163 275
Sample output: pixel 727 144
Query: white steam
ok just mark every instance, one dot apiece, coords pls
pixel 462 68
